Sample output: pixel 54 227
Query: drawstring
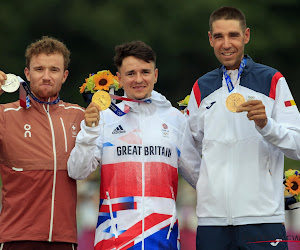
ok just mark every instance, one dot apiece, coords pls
pixel 173 217
pixel 111 216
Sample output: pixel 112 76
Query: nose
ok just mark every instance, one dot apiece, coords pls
pixel 139 78
pixel 46 74
pixel 227 43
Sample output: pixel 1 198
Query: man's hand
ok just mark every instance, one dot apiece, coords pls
pixel 256 112
pixel 2 80
pixel 92 115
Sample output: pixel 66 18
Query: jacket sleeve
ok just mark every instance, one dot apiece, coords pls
pixel 283 127
pixel 86 155
pixel 195 117
pixel 189 158
pixel 2 122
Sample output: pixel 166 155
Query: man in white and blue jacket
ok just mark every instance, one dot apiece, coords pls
pixel 139 155
pixel 244 120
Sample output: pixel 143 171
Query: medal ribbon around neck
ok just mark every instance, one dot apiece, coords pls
pixel 116 97
pixel 227 77
pixel 114 108
pixel 25 92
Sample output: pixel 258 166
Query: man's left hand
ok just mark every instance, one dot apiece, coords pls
pixel 256 112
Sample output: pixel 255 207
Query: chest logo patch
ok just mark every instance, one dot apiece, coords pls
pixel 73 129
pixel 212 103
pixel 27 132
pixel 165 130
pixel 118 130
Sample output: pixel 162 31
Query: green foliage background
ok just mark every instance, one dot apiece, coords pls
pixel 176 30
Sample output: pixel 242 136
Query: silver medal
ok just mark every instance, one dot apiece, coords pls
pixel 11 84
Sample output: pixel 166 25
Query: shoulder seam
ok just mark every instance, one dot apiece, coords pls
pixel 14 109
pixel 71 107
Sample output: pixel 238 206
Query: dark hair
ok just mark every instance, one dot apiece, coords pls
pixel 228 13
pixel 47 45
pixel 137 49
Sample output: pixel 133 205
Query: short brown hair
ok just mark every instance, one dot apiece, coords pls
pixel 137 49
pixel 47 45
pixel 228 13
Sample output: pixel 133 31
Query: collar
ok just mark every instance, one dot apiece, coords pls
pixel 42 107
pixel 249 65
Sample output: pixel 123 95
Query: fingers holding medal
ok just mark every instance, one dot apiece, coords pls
pixel 101 100
pixel 256 112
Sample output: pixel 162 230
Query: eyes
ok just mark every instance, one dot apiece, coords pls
pixel 41 69
pixel 144 72
pixel 230 35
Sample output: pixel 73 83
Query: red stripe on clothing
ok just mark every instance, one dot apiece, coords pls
pixel 128 246
pixel 274 82
pixel 125 179
pixel 197 93
pixel 154 219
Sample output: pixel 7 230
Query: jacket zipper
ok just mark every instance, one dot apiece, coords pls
pixel 143 189
pixel 229 186
pixel 54 176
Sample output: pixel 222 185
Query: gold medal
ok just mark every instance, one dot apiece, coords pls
pixel 102 98
pixel 233 101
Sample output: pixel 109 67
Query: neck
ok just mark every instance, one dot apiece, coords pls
pixel 234 67
pixel 46 99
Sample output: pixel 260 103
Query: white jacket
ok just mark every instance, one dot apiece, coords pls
pixel 139 155
pixel 241 173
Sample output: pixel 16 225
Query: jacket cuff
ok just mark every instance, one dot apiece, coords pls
pixel 266 130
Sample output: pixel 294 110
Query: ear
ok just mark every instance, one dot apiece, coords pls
pixel 27 74
pixel 210 39
pixel 119 76
pixel 156 75
pixel 247 35
pixel 66 73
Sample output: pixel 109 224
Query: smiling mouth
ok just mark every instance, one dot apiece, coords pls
pixel 227 53
pixel 139 87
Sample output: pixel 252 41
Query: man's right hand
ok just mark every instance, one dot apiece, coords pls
pixel 2 80
pixel 92 115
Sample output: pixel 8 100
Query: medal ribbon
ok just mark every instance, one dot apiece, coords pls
pixel 227 77
pixel 24 98
pixel 116 97
pixel 114 108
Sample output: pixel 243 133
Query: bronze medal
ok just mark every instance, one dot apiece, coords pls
pixel 102 98
pixel 233 101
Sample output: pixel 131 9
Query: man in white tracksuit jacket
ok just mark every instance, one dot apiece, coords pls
pixel 240 188
pixel 139 154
